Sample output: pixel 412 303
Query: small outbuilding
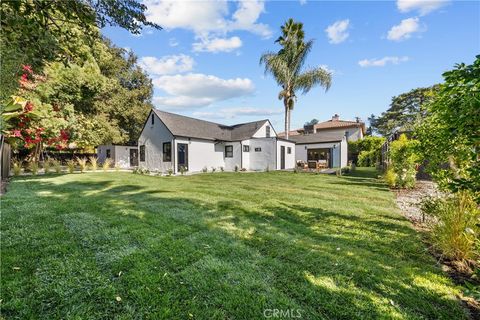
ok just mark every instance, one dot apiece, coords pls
pixel 121 156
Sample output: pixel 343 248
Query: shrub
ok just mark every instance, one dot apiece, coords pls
pixel 455 228
pixel 222 169
pixel 169 172
pixel 182 170
pixel 82 163
pixel 403 160
pixel 267 169
pixel 214 169
pixel 117 167
pixel 17 167
pixel 47 166
pixel 367 151
pixel 56 166
pixel 107 164
pixel 243 169
pixel 390 178
pixel 204 170
pixel 93 162
pixel 141 170
pixel 71 165
pixel 236 168
pixel 33 166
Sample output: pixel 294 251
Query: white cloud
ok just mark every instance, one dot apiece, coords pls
pixel 172 42
pixel 337 32
pixel 232 113
pixel 210 19
pixel 195 90
pixel 303 2
pixel 381 62
pixel 405 29
pixel 217 44
pixel 422 6
pixel 167 64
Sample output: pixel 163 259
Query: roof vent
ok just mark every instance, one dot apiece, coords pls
pixel 335 117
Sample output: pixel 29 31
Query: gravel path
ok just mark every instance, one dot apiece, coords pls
pixel 409 200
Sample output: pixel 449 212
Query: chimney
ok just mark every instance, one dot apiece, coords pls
pixel 358 119
pixel 335 117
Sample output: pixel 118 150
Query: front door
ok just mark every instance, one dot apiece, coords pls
pixel 182 156
pixel 282 157
pixel 133 157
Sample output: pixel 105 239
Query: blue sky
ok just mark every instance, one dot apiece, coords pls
pixel 204 63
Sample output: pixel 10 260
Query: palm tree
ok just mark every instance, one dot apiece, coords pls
pixel 286 66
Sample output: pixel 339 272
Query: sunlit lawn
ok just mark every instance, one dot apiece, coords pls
pixel 214 246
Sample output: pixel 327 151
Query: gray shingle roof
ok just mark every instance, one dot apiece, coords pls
pixel 318 137
pixel 195 128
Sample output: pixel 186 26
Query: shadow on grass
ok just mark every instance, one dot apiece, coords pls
pixel 212 259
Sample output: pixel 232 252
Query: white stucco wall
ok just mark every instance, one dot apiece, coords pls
pixel 230 163
pixel 102 152
pixel 201 153
pixel 259 161
pixel 246 155
pixel 153 138
pixel 354 133
pixel 122 156
pixel 344 153
pixel 289 158
pixel 262 131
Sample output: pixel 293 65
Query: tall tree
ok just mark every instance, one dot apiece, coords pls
pixel 406 110
pixel 287 64
pixel 34 32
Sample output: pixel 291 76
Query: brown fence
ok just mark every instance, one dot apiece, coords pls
pixel 5 153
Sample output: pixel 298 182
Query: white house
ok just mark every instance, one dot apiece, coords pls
pixel 332 148
pixel 122 156
pixel 171 141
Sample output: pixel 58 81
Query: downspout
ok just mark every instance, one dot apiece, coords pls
pixel 241 155
pixel 174 152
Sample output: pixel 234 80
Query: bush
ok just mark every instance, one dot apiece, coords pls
pixel 107 164
pixel 141 170
pixel 367 151
pixel 204 170
pixel 456 227
pixel 236 168
pixel 214 169
pixel 93 162
pixel 82 163
pixel 71 165
pixel 390 178
pixel 56 166
pixel 182 170
pixel 17 167
pixel 33 167
pixel 47 166
pixel 222 169
pixel 169 172
pixel 403 160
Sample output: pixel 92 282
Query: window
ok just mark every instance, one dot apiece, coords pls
pixel 108 153
pixel 268 131
pixel 347 134
pixel 246 148
pixel 153 119
pixel 258 149
pixel 142 153
pixel 167 151
pixel 289 150
pixel 228 151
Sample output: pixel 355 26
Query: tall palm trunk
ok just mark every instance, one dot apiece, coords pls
pixel 287 118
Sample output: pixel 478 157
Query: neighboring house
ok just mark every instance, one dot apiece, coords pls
pixel 353 130
pixel 331 147
pixel 122 156
pixel 171 141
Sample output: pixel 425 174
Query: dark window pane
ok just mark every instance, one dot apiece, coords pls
pixel 268 131
pixel 142 153
pixel 289 150
pixel 153 119
pixel 108 153
pixel 258 149
pixel 228 151
pixel 246 148
pixel 167 151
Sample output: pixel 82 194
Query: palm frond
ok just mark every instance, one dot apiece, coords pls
pixel 310 78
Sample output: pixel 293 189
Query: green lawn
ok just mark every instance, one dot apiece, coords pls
pixel 214 246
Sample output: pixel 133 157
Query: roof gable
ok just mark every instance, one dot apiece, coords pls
pixel 195 128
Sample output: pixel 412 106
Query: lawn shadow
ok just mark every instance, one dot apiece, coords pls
pixel 220 257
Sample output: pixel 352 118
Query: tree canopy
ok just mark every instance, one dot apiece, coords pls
pixel 406 110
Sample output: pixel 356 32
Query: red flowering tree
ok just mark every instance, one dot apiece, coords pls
pixel 33 125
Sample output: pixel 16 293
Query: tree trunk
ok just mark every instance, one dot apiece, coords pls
pixel 287 118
